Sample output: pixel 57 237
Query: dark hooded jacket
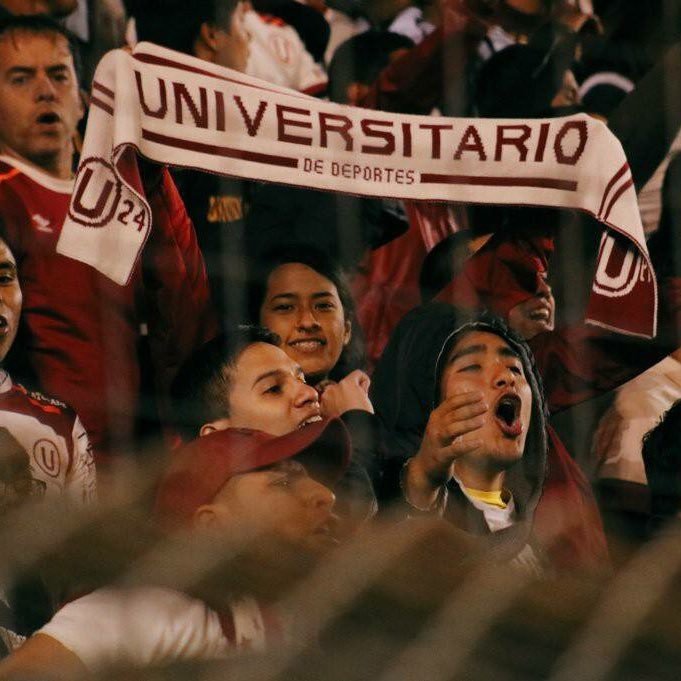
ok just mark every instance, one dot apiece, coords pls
pixel 405 389
pixel 564 514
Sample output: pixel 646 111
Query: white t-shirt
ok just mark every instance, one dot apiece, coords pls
pixel 145 626
pixel 499 519
pixel 410 22
pixel 496 518
pixel 278 55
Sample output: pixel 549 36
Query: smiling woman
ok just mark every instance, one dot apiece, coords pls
pixel 303 297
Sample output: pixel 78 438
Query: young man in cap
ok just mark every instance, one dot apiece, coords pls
pixel 244 380
pixel 232 482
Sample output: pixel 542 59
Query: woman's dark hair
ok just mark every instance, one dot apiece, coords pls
pixel 176 24
pixel 353 355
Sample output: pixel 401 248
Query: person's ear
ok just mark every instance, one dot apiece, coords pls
pixel 355 92
pixel 214 426
pixel 347 336
pixel 82 104
pixel 207 41
pixel 205 517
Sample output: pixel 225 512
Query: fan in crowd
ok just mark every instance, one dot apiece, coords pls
pixel 311 385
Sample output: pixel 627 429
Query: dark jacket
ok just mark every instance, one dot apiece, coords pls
pixel 405 391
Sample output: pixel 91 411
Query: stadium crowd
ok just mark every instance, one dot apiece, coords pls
pixel 287 369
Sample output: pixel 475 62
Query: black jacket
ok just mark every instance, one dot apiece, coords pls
pixel 404 392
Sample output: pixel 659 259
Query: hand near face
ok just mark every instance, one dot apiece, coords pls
pixel 450 433
pixel 350 393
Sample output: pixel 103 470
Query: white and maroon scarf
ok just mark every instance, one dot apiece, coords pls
pixel 184 112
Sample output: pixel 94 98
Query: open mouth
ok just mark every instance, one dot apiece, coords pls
pixel 4 325
pixel 308 344
pixel 328 530
pixel 49 118
pixel 310 419
pixel 540 314
pixel 507 414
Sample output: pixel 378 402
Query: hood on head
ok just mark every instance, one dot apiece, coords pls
pixel 526 478
pixel 405 389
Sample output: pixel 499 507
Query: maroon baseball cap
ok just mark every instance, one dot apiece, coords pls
pixel 199 469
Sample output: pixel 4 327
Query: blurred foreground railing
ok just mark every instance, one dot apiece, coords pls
pixel 397 602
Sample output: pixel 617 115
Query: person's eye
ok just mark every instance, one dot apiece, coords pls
pixel 7 279
pixel 18 80
pixel 273 389
pixel 516 370
pixel 469 367
pixel 325 306
pixel 283 307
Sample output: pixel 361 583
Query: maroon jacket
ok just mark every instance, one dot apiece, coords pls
pixel 80 331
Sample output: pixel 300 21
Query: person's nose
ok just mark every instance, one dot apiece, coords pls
pixel 543 287
pixel 318 495
pixel 504 378
pixel 45 90
pixel 307 319
pixel 306 396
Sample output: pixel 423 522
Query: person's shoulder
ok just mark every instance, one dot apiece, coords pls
pixel 48 404
pixel 136 626
pixel 10 178
pixel 39 405
pixel 15 170
pixel 7 170
pixel 140 597
pixel 266 27
pixel 139 606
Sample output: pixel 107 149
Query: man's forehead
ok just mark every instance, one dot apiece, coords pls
pixel 284 466
pixel 477 342
pixel 260 351
pixel 13 46
pixel 261 358
pixel 287 465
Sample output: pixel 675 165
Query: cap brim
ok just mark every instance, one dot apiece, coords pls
pixel 323 447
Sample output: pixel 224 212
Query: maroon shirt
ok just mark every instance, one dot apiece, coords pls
pixel 79 329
